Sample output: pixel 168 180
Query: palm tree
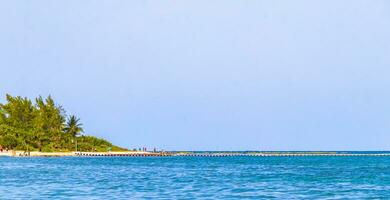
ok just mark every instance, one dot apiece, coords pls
pixel 73 126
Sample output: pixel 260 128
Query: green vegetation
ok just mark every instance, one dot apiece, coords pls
pixel 42 125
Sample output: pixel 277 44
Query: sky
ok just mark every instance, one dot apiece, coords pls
pixel 207 75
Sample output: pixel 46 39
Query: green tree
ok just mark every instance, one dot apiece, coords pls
pixel 42 125
pixel 73 126
pixel 48 123
pixel 9 141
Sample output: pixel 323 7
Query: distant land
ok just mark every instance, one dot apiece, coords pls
pixel 42 125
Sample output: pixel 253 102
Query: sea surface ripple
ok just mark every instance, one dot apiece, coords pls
pixel 311 177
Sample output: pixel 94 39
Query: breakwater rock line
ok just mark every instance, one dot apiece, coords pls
pixel 165 154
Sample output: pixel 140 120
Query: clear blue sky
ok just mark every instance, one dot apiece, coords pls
pixel 208 75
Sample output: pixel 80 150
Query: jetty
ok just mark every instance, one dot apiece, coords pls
pixel 121 154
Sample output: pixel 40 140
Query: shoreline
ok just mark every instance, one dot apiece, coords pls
pixel 183 154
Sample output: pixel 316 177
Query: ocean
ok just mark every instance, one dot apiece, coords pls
pixel 310 177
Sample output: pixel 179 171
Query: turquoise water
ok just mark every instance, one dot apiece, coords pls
pixel 195 178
